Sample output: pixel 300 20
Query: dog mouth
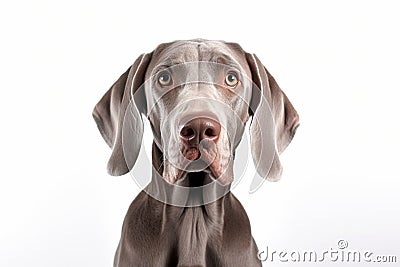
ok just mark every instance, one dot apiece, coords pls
pixel 199 168
pixel 198 164
pixel 199 172
pixel 196 179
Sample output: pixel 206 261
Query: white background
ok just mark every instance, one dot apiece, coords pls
pixel 338 61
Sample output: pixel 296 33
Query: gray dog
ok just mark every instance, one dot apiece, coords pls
pixel 198 96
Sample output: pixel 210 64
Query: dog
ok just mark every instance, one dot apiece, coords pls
pixel 197 95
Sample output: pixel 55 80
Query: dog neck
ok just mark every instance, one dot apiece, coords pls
pixel 197 232
pixel 196 228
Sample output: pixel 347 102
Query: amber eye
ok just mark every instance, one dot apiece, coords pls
pixel 164 79
pixel 231 80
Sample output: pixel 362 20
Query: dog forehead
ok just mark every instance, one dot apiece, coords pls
pixel 179 52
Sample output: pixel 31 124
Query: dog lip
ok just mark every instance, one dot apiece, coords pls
pixel 207 170
pixel 191 153
pixel 185 174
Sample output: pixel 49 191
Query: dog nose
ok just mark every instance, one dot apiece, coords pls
pixel 199 129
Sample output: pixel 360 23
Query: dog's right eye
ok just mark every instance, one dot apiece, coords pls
pixel 164 79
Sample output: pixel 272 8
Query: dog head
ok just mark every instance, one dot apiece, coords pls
pixel 198 96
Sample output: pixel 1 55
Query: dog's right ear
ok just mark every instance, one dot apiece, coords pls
pixel 109 115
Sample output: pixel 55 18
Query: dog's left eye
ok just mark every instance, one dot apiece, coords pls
pixel 164 79
pixel 231 80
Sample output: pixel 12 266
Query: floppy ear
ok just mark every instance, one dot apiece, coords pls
pixel 274 121
pixel 109 115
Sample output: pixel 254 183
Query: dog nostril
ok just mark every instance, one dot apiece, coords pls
pixel 211 129
pixel 187 133
pixel 210 133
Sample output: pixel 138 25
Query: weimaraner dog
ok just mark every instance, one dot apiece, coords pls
pixel 198 96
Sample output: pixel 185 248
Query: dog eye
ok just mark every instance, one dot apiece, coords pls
pixel 231 80
pixel 164 79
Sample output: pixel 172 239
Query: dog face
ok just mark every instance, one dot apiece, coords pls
pixel 198 98
pixel 197 95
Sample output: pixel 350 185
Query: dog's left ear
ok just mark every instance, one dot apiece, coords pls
pixel 271 109
pixel 110 112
